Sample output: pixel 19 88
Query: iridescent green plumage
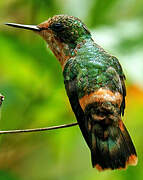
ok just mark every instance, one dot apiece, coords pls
pixel 94 82
pixel 94 68
pixel 90 70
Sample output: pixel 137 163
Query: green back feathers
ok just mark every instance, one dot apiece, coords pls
pixel 93 68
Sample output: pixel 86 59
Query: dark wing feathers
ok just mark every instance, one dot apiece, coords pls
pixel 119 70
pixel 80 116
pixel 124 94
pixel 118 79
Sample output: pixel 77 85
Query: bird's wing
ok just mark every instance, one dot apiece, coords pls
pixel 122 77
pixel 70 86
pixel 124 94
pixel 119 83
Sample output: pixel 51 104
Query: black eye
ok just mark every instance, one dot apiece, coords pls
pixel 57 27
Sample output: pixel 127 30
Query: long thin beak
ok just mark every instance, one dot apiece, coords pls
pixel 29 27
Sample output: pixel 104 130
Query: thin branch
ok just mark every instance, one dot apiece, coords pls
pixel 33 130
pixel 39 129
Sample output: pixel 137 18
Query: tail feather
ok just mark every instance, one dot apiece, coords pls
pixel 113 151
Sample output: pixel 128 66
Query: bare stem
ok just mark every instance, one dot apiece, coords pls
pixel 39 129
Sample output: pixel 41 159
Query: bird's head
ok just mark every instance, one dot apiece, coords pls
pixel 67 29
pixel 62 33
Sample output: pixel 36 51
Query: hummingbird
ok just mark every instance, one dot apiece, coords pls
pixel 94 82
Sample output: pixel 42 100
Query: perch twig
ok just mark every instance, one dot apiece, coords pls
pixel 38 129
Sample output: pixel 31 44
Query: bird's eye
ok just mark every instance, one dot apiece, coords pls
pixel 57 27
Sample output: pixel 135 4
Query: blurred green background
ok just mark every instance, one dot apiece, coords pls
pixel 32 83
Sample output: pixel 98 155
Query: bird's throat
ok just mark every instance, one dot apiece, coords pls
pixel 61 50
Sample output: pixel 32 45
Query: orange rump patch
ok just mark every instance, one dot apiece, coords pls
pixel 101 95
